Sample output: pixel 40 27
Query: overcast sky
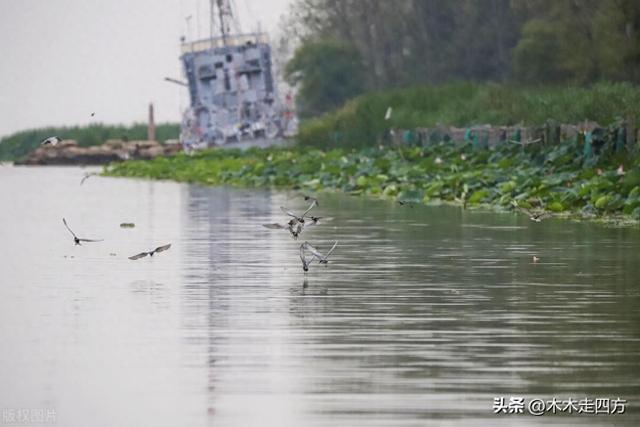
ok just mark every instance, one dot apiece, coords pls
pixel 64 59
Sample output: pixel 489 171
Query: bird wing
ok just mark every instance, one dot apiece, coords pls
pixel 275 226
pixel 302 257
pixel 138 256
pixel 51 140
pixel 162 248
pixel 310 223
pixel 85 177
pixel 64 221
pixel 307 198
pixel 313 251
pixel 314 203
pixel 288 212
pixel 91 240
pixel 331 250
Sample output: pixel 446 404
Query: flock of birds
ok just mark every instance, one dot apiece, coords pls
pixel 79 240
pixel 54 140
pixel 296 225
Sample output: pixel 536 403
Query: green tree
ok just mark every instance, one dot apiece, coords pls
pixel 538 56
pixel 328 73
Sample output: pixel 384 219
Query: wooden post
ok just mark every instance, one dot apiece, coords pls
pixel 151 129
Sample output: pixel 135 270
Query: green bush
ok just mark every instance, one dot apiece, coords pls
pixel 360 122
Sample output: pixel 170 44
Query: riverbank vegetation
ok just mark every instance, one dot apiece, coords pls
pixel 562 179
pixel 361 122
pixel 19 144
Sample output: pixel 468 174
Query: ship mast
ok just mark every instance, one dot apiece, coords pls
pixel 225 18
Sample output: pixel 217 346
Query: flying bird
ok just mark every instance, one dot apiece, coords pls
pixel 297 222
pixel 322 259
pixel 293 226
pixel 314 220
pixel 86 176
pixel 93 114
pixel 537 216
pixel 300 218
pixel 533 216
pixel 76 239
pixel 144 254
pixel 313 199
pixel 52 140
pixel 387 115
pixel 303 258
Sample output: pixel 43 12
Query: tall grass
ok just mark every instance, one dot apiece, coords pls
pixel 360 122
pixel 21 143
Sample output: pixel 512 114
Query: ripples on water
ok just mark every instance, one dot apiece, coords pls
pixel 422 317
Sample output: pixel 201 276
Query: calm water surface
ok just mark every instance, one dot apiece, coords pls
pixel 423 316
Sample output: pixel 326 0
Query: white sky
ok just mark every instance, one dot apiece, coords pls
pixel 61 60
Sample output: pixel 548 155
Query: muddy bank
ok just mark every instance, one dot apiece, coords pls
pixel 68 152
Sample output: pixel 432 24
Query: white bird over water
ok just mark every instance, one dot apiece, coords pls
pixel 533 216
pixel 52 140
pixel 322 259
pixel 303 258
pixel 300 218
pixel 77 239
pixel 150 253
pixel 293 226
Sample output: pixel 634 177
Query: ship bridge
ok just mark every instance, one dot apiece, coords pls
pixel 231 89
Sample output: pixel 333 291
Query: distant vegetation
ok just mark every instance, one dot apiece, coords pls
pixel 563 178
pixel 360 122
pixel 329 73
pixel 20 144
pixel 401 43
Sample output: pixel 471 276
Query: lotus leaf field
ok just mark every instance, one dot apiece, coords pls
pixel 560 179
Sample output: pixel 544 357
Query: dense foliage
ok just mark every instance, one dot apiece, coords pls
pixel 561 178
pixel 329 72
pixel 361 121
pixel 434 41
pixel 20 144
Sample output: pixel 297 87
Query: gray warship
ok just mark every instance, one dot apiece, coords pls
pixel 232 92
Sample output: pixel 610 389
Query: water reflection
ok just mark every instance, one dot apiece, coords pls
pixel 424 308
pixel 422 316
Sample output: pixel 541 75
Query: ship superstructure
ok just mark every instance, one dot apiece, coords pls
pixel 232 92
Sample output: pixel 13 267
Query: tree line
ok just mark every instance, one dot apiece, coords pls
pixel 344 47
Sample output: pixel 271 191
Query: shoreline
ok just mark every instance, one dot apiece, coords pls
pixel 430 175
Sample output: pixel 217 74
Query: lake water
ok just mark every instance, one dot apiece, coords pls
pixel 423 316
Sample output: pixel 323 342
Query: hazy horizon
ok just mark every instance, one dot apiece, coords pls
pixel 67 59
